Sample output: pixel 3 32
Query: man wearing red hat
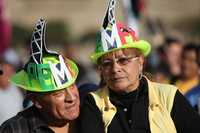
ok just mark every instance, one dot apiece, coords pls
pixel 130 102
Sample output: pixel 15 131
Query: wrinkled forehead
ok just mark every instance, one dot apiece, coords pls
pixel 122 52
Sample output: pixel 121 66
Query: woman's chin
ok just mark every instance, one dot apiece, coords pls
pixel 119 87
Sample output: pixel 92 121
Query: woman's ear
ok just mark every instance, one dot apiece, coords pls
pixel 141 62
pixel 99 70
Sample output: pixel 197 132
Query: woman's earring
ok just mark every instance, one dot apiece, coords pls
pixel 140 75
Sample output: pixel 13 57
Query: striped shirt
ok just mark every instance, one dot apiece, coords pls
pixel 27 121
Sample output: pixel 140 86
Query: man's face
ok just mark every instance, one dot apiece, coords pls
pixel 62 105
pixel 189 64
pixel 173 53
pixel 120 69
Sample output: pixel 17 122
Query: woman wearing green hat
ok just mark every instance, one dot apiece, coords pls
pixel 49 80
pixel 130 102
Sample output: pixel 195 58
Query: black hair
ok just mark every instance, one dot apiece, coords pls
pixel 170 40
pixel 192 47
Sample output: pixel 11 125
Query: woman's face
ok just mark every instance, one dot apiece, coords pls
pixel 121 69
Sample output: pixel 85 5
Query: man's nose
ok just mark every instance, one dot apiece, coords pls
pixel 70 97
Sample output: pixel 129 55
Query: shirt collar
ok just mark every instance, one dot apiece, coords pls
pixel 35 119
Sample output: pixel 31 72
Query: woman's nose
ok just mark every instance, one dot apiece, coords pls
pixel 115 66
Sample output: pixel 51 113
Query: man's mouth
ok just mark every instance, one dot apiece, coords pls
pixel 71 105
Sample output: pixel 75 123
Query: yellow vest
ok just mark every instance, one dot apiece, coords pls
pixel 161 98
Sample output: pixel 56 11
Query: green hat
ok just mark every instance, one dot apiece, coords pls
pixel 46 70
pixel 114 36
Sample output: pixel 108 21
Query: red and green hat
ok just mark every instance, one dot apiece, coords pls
pixel 46 70
pixel 114 36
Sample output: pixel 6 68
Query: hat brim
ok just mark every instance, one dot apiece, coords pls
pixel 141 45
pixel 21 80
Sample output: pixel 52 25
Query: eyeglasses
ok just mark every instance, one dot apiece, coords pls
pixel 122 61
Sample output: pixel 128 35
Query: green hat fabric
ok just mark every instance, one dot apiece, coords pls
pixel 114 36
pixel 46 70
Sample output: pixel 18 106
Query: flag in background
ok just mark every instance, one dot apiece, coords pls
pixel 5 29
pixel 132 9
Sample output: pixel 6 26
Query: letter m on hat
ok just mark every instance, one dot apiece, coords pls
pixel 110 38
pixel 60 72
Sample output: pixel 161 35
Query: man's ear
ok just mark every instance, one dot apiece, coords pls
pixel 36 102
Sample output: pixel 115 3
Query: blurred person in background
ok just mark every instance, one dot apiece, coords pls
pixel 10 96
pixel 49 81
pixel 189 77
pixel 165 61
pixel 154 67
pixel 129 102
pixel 172 60
pixel 193 95
pixel 12 57
pixel 160 75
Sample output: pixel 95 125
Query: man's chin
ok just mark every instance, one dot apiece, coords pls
pixel 73 115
